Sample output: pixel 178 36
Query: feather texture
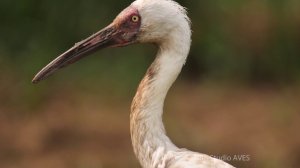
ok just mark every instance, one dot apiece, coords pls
pixel 165 23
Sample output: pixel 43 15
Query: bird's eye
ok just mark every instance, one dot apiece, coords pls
pixel 135 18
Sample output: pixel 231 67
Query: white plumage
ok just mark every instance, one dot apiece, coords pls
pixel 164 23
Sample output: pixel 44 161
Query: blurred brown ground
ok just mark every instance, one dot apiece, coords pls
pixel 76 129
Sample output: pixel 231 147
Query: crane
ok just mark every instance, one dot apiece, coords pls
pixel 164 23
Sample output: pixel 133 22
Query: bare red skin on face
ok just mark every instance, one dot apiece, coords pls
pixel 126 25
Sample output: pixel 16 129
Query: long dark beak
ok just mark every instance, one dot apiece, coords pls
pixel 107 37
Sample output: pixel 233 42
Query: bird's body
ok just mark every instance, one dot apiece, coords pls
pixel 164 23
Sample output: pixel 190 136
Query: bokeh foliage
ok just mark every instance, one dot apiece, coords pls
pixel 241 40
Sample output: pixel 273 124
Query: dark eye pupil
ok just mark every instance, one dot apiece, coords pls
pixel 135 18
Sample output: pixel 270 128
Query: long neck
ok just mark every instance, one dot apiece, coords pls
pixel 147 130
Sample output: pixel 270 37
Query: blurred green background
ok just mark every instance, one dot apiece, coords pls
pixel 239 92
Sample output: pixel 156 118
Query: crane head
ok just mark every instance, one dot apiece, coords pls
pixel 144 21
